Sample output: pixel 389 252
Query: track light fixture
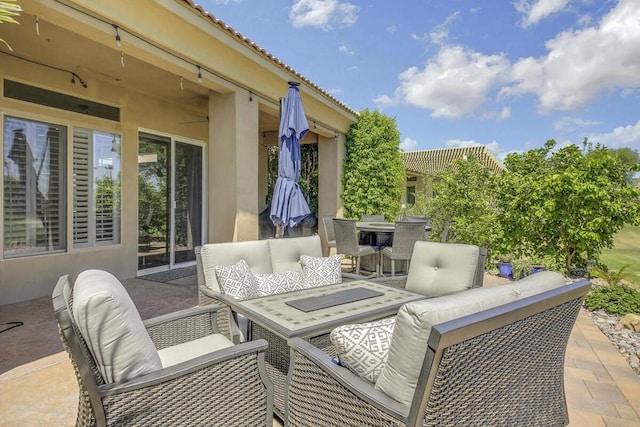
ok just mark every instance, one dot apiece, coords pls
pixel 118 40
pixel 74 76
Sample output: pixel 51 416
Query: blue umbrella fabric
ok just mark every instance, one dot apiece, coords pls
pixel 289 205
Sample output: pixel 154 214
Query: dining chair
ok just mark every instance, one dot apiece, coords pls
pixel 372 218
pixel 445 231
pixel 405 236
pixel 328 234
pixel 368 238
pixel 419 219
pixel 347 243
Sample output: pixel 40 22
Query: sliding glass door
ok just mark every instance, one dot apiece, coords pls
pixel 170 201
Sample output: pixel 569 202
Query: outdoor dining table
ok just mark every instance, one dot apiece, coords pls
pixel 312 314
pixel 381 229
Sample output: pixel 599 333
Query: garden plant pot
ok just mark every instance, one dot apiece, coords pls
pixel 505 269
pixel 537 269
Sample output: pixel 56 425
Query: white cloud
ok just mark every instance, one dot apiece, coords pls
pixel 581 64
pixel 537 10
pixel 335 91
pixel 344 48
pixel 384 101
pixel 461 143
pixel 503 114
pixel 455 83
pixel 323 14
pixel 622 136
pixel 420 37
pixel 570 124
pixel 440 34
pixel 391 29
pixel 409 144
pixel 493 146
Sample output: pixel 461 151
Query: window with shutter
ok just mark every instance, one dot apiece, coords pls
pixel 34 187
pixel 96 188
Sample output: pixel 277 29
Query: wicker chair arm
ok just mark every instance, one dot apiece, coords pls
pixel 225 321
pixel 218 357
pixel 232 380
pixel 182 326
pixel 348 277
pixel 320 367
pixel 394 281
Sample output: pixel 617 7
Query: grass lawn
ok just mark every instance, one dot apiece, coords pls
pixel 626 250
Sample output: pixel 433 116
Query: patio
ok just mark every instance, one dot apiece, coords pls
pixel 39 388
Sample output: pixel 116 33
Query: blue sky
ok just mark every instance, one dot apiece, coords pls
pixel 506 74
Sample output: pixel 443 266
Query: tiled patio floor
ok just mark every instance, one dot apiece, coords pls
pixel 40 390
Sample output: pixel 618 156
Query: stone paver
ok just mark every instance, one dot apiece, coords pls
pixel 601 389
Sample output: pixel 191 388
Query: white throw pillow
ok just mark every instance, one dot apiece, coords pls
pixel 237 280
pixel 321 271
pixel 363 348
pixel 277 283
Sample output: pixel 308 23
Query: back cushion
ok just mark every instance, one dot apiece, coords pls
pixel 254 252
pixel 442 268
pixel 112 328
pixel 285 253
pixel 414 321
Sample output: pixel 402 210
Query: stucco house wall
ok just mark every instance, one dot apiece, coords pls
pixel 152 77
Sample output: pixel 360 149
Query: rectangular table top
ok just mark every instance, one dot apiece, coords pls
pixel 273 312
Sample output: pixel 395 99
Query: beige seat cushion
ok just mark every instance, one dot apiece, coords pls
pixel 112 328
pixel 442 268
pixel 190 350
pixel 285 253
pixel 414 321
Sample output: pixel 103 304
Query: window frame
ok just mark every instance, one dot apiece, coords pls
pixel 62 175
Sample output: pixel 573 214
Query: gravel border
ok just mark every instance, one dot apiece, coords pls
pixel 625 340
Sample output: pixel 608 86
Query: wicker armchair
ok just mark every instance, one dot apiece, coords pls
pixel 228 386
pixel 500 366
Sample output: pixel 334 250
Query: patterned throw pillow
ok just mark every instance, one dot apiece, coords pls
pixel 363 348
pixel 321 271
pixel 277 283
pixel 237 280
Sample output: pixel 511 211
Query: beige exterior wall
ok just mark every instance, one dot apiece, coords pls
pixel 31 276
pixel 240 98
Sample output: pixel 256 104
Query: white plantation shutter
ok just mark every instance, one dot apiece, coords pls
pixel 81 189
pixel 96 189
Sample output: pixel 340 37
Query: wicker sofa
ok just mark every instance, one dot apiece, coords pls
pixel 262 256
pixel 485 356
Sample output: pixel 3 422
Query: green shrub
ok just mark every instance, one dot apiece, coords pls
pixel 617 300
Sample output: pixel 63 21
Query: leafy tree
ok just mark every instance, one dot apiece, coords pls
pixel 373 168
pixel 464 193
pixel 566 203
pixel 630 158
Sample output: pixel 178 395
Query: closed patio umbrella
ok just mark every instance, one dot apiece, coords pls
pixel 289 206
